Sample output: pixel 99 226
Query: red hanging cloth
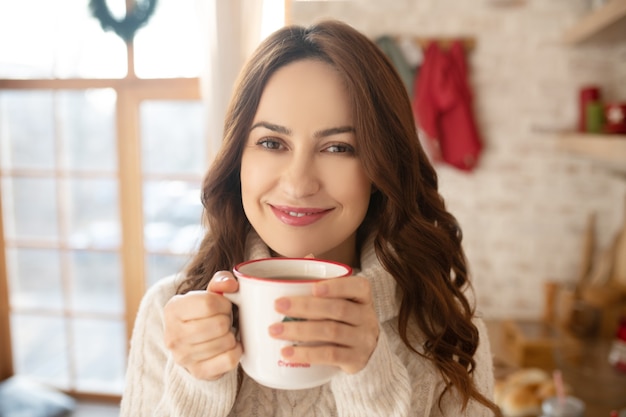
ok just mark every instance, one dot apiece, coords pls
pixel 443 109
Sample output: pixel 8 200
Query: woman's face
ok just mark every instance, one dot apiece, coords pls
pixel 303 186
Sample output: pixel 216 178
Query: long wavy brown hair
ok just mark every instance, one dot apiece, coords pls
pixel 416 239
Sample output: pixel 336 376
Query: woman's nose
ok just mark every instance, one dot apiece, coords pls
pixel 300 177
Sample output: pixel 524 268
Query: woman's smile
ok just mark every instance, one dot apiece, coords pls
pixel 297 216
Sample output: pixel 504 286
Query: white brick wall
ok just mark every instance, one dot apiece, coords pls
pixel 524 210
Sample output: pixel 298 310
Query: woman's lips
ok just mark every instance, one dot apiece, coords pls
pixel 298 216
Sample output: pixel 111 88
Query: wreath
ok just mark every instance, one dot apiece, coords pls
pixel 137 17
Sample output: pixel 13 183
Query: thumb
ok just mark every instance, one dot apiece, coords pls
pixel 310 256
pixel 223 281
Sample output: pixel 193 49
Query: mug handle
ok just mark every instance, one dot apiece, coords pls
pixel 234 297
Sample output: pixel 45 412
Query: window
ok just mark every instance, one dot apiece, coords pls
pixel 102 151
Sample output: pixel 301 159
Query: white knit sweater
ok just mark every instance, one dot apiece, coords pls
pixel 395 382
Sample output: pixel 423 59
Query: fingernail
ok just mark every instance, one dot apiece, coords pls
pixel 221 278
pixel 282 304
pixel 287 351
pixel 320 289
pixel 276 329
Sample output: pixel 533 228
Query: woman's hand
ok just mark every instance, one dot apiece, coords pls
pixel 198 329
pixel 340 315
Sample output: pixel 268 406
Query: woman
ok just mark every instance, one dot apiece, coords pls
pixel 320 157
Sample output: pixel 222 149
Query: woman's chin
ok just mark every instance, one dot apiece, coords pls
pixel 290 253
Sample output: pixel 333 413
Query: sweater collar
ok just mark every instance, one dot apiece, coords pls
pixel 386 298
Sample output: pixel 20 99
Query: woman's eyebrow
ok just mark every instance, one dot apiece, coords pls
pixel 273 127
pixel 319 134
pixel 333 131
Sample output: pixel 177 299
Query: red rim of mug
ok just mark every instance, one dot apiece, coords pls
pixel 239 274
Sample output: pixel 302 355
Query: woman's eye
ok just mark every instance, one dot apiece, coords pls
pixel 269 144
pixel 340 148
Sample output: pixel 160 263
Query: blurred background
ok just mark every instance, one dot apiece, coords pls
pixel 104 142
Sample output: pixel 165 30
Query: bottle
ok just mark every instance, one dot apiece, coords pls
pixel 586 95
pixel 594 117
pixel 617 354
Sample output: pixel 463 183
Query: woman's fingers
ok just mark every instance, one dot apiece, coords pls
pixel 313 308
pixel 215 367
pixel 196 305
pixel 223 281
pixel 197 329
pixel 327 342
pixel 196 317
pixel 343 299
pixel 353 288
pixel 340 326
pixel 205 350
pixel 206 347
pixel 327 331
pixel 348 359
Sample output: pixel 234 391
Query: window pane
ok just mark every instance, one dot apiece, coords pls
pixel 34 278
pixel 39 348
pixel 94 220
pixel 84 120
pixel 88 128
pixel 57 39
pixel 172 137
pixel 172 215
pixel 160 266
pixel 27 133
pixel 99 355
pixel 30 208
pixel 97 282
pixel 169 45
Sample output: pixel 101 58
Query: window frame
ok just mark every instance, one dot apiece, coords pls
pixel 131 92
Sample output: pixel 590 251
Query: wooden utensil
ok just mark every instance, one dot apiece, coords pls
pixel 588 249
pixel 618 274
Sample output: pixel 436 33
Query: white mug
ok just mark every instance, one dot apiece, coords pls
pixel 261 282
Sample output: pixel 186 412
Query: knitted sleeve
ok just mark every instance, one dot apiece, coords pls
pixel 382 388
pixel 155 385
pixel 397 382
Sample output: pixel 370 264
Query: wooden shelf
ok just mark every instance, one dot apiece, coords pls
pixel 613 12
pixel 609 149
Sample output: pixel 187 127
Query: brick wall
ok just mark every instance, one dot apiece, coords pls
pixel 524 210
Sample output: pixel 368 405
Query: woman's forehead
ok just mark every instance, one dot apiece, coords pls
pixel 302 92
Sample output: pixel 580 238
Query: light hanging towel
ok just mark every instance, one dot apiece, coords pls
pixel 389 47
